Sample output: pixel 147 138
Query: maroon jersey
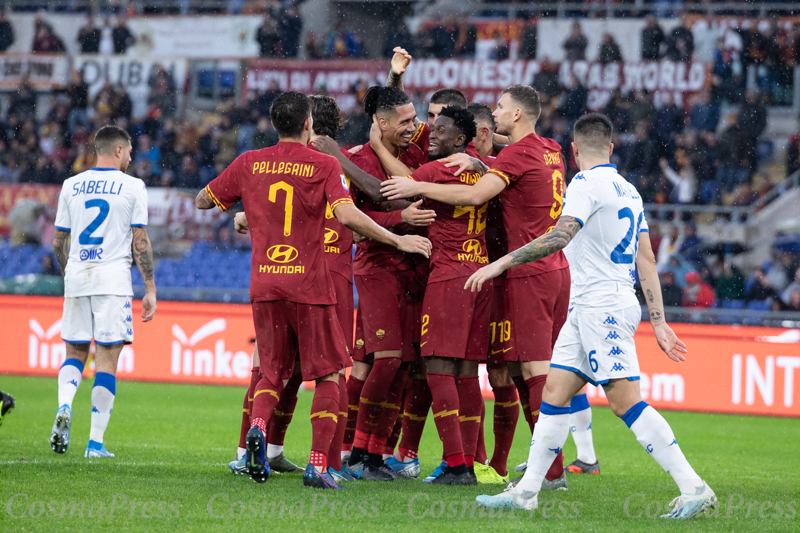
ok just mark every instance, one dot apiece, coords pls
pixel 533 198
pixel 338 239
pixel 421 138
pixel 473 152
pixel 457 234
pixel 372 256
pixel 284 190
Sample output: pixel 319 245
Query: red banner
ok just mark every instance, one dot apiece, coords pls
pixel 11 194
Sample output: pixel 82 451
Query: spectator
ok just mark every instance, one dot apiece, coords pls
pixel 265 99
pixel 290 29
pixel 642 109
pixel 704 114
pixel 690 246
pixel 546 80
pixel 697 293
pixel 78 91
pixel 670 292
pixel 573 100
pixel 342 42
pixel 683 181
pixel 401 37
pixel 149 151
pixel 680 43
pixel 265 135
pixel 267 37
pixel 313 49
pixel 641 158
pixel 500 51
pixel 727 78
pixel 123 37
pixel 89 37
pixel 23 102
pixel 753 121
pixel 731 164
pixel 528 42
pixel 761 289
pixel 47 42
pixel 618 111
pixel 227 137
pixel 794 302
pixel 187 176
pixel 6 31
pixel 730 284
pixel 444 35
pixel 609 50
pixel 106 38
pixel 576 43
pixel 467 38
pixel 49 267
pixel 782 70
pixel 793 286
pixel 652 37
pixel 669 121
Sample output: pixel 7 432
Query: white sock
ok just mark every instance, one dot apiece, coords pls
pixel 240 453
pixel 549 435
pixel 103 392
pixel 655 435
pixel 580 424
pixel 386 456
pixel 274 450
pixel 344 454
pixel 69 379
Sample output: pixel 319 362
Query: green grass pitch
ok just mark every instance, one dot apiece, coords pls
pixel 173 442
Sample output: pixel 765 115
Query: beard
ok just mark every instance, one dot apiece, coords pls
pixel 432 157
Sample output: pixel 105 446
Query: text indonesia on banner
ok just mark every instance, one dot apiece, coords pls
pixel 729 369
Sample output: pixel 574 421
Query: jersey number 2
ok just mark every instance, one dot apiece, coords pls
pixel 85 238
pixel 619 256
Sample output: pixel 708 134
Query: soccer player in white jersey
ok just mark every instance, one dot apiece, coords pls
pixel 603 215
pixel 103 212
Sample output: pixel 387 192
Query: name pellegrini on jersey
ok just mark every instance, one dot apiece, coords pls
pixel 282 167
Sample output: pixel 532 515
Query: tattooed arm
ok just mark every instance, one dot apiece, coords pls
pixel 203 200
pixel 61 248
pixel 547 244
pixel 651 285
pixel 143 255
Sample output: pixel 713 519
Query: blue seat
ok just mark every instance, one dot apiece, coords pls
pixel 759 305
pixel 733 304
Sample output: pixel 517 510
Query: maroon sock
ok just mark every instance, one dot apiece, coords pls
pixel 265 398
pixel 506 414
pixel 389 414
pixel 391 443
pixel 284 411
pixel 445 415
pixel 247 405
pixel 354 386
pixel 335 451
pixel 373 395
pixel 480 451
pixel 415 412
pixel 469 411
pixel 324 416
pixel 524 399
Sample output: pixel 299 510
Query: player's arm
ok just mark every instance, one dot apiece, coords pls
pixel 203 200
pixel 547 244
pixel 143 255
pixel 400 61
pixel 462 162
pixel 499 142
pixel 349 216
pixel 392 165
pixel 489 186
pixel 366 182
pixel 61 248
pixel 651 286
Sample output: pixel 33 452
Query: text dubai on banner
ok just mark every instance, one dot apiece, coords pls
pixel 729 369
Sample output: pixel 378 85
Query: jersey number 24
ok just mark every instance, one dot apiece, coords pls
pixel 619 256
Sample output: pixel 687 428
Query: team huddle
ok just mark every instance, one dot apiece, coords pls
pixel 463 229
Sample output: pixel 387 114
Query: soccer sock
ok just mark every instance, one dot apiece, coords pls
pixel 469 411
pixel 524 399
pixel 103 391
pixel 445 415
pixel 549 436
pixel 282 416
pixel 334 453
pixel 69 379
pixel 580 422
pixel 265 398
pixel 247 405
pixel 506 414
pixel 324 416
pixel 354 386
pixel 389 413
pixel 480 450
pixel 391 443
pixel 416 406
pixel 535 389
pixel 655 435
pixel 373 395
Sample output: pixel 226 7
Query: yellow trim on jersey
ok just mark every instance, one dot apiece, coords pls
pixel 353 407
pixel 498 173
pixel 369 402
pixel 271 392
pixel 445 413
pixel 283 413
pixel 246 411
pixel 415 417
pixel 342 413
pixel 214 199
pixel 418 133
pixel 469 418
pixel 324 414
pixel 339 202
pixel 535 413
pixel 410 177
pixel 507 404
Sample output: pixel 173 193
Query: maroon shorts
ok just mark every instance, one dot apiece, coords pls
pixel 455 321
pixel 285 330
pixel 359 352
pixel 386 303
pixel 537 307
pixel 343 288
pixel 499 327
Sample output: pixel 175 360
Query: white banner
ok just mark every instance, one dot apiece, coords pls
pixel 132 72
pixel 196 36
pixel 41 71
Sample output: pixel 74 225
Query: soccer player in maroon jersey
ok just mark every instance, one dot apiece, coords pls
pixel 529 176
pixel 284 190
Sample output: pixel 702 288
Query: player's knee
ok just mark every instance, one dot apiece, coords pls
pixel 499 377
pixel 333 376
pixel 360 370
pixel 440 365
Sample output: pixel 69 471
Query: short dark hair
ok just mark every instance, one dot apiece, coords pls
pixel 452 97
pixel 108 138
pixel 289 112
pixel 463 120
pixel 380 98
pixel 481 112
pixel 326 115
pixel 527 98
pixel 594 129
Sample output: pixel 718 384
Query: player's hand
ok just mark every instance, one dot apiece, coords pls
pixel 463 163
pixel 375 133
pixel 398 187
pixel 326 145
pixel 417 217
pixel 356 149
pixel 240 223
pixel 669 342
pixel 400 60
pixel 476 280
pixel 148 306
pixel 414 244
pixel 357 237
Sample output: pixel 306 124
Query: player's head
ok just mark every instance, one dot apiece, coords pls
pixel 592 137
pixel 113 144
pixel 484 120
pixel 451 133
pixel 291 116
pixel 394 112
pixel 518 104
pixel 326 115
pixel 442 98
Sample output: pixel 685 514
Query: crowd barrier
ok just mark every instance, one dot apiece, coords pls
pixel 729 369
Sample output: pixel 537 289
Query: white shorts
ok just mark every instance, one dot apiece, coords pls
pixel 106 319
pixel 599 347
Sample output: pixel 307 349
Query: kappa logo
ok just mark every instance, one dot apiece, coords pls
pixel 555 450
pixel 380 333
pixel 610 321
pixel 282 253
pixel 617 367
pixel 612 335
pixel 472 246
pixel 616 351
pixel 331 236
pixel 674 441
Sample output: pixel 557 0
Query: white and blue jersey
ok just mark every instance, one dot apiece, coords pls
pixel 99 207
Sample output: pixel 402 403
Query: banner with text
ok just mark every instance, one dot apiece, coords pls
pixel 196 36
pixel 42 72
